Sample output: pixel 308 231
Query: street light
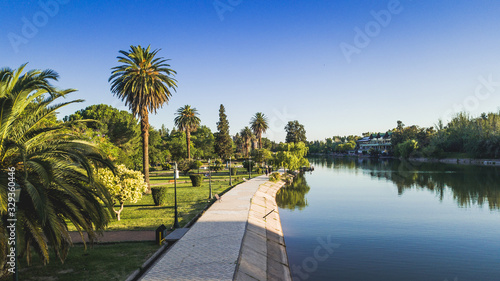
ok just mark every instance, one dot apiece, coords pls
pixel 230 171
pixel 209 179
pixel 249 167
pixel 176 220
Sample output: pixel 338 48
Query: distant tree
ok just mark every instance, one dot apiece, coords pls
pixel 203 140
pixel 118 125
pixel 143 81
pixel 164 131
pixel 188 121
pixel 259 125
pixel 295 132
pixel 246 136
pixel 223 142
pixel 292 155
pixel 176 144
pixel 124 185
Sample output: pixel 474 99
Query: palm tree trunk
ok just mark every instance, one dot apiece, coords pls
pixel 260 141
pixel 188 140
pixel 145 145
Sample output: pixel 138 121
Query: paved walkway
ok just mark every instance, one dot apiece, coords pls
pixel 210 249
pixel 263 252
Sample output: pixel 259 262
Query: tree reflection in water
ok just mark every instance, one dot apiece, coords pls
pixel 471 185
pixel 293 196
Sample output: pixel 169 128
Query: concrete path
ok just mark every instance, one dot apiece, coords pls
pixel 263 252
pixel 210 249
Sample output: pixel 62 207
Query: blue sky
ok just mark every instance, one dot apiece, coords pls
pixel 283 58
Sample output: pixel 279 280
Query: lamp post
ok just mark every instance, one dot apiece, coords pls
pixel 17 195
pixel 209 179
pixel 230 171
pixel 176 220
pixel 249 167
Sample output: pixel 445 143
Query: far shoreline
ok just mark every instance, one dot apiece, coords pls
pixel 458 161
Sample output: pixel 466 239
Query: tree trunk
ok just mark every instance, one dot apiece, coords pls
pixel 145 145
pixel 188 140
pixel 260 141
pixel 119 211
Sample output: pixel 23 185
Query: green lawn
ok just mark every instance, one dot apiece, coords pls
pixel 102 262
pixel 144 215
pixel 117 261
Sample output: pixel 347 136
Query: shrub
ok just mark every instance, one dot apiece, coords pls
pixel 233 171
pixel 196 180
pixel 274 177
pixel 166 166
pixel 159 195
pixel 258 170
pixel 246 164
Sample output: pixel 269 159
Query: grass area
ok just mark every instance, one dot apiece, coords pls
pixel 117 261
pixel 144 215
pixel 102 262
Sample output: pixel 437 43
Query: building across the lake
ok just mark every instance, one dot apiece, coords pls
pixel 379 142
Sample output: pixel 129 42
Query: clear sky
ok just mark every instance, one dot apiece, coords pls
pixel 338 67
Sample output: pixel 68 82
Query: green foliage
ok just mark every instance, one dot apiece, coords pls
pixel 406 148
pixel 292 196
pixel 258 170
pixel 203 141
pixel 196 180
pixel 124 185
pixel 185 166
pixel 295 132
pixel 259 125
pixel 261 155
pixel 167 166
pixel 291 155
pixel 187 120
pixel 223 142
pixel 246 140
pixel 233 171
pixel 143 81
pixel 118 125
pixel 345 147
pixel 53 168
pixel 176 144
pixel 248 164
pixel 274 177
pixel 159 194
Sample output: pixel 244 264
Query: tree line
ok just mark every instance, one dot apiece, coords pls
pixel 463 136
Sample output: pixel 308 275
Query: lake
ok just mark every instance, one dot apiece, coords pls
pixel 369 219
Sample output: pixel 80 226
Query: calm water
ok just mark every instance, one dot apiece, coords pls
pixel 389 220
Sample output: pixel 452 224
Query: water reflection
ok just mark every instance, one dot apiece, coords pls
pixel 293 196
pixel 470 185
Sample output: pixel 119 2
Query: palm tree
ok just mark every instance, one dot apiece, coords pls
pixel 188 121
pixel 143 82
pixel 53 168
pixel 259 125
pixel 246 135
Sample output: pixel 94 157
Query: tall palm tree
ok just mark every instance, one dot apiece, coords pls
pixel 259 125
pixel 247 136
pixel 188 121
pixel 143 81
pixel 53 168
